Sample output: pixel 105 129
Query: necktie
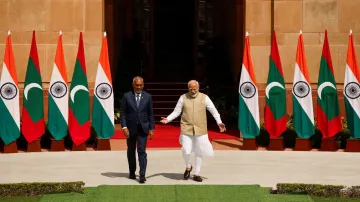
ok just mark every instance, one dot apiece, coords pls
pixel 137 100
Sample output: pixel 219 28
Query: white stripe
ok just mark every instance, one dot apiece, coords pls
pixel 251 103
pixel 13 104
pixel 306 103
pixel 350 77
pixel 63 102
pixel 107 104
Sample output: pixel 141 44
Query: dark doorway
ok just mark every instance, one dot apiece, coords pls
pixel 174 39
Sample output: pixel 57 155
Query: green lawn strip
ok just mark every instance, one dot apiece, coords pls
pixel 134 193
pixel 174 193
pixel 218 192
pixel 170 193
pixel 89 192
pixel 21 199
pixel 322 199
pixel 117 193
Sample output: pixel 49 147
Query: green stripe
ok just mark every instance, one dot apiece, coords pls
pixel 353 120
pixel 274 74
pixel 57 125
pixel 100 121
pixel 246 122
pixel 81 105
pixel 325 73
pixel 277 95
pixel 329 102
pixel 9 131
pixel 35 102
pixel 302 123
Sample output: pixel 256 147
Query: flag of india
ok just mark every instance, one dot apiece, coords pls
pixel 249 121
pixel 103 107
pixel 301 95
pixel 9 102
pixel 58 108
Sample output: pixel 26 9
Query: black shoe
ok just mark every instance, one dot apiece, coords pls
pixel 142 179
pixel 132 176
pixel 187 173
pixel 197 178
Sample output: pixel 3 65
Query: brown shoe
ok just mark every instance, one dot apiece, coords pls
pixel 197 178
pixel 187 173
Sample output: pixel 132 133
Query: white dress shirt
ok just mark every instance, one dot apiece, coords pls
pixel 209 106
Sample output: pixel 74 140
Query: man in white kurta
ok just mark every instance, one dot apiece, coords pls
pixel 194 136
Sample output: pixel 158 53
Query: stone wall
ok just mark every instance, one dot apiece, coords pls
pixel 47 18
pixel 287 18
pixel 310 16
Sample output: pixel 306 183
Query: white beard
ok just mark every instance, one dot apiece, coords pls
pixel 194 96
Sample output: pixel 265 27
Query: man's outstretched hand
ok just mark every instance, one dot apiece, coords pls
pixel 164 120
pixel 222 127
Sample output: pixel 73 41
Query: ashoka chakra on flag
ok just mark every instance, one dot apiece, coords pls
pixel 301 89
pixel 247 89
pixel 103 91
pixel 58 89
pixel 352 90
pixel 8 91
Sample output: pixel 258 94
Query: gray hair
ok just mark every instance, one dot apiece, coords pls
pixel 193 81
pixel 137 78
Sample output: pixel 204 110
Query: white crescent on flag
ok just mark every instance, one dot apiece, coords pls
pixel 322 86
pixel 75 89
pixel 271 85
pixel 30 86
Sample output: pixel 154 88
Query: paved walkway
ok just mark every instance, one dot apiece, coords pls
pixel 265 168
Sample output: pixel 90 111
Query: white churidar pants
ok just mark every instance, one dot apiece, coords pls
pixel 200 145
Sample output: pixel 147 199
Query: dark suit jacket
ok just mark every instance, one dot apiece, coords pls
pixel 130 114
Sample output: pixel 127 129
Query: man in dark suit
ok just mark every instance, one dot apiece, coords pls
pixel 137 120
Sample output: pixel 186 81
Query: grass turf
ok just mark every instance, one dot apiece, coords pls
pixel 173 193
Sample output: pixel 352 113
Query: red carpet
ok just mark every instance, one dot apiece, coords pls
pixel 167 136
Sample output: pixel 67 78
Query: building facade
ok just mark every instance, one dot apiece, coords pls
pixel 228 21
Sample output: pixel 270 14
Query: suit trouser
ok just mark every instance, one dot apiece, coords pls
pixel 140 138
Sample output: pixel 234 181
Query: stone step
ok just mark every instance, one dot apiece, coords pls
pixel 164 104
pixel 169 91
pixel 173 98
pixel 163 110
pixel 168 85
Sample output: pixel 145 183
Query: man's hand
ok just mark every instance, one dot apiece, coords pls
pixel 126 132
pixel 164 120
pixel 222 127
pixel 151 134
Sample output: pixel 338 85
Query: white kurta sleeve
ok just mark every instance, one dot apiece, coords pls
pixel 177 111
pixel 211 107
